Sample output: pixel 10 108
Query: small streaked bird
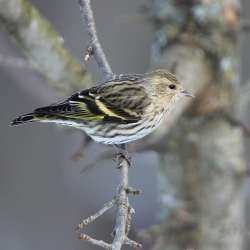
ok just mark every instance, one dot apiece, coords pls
pixel 118 111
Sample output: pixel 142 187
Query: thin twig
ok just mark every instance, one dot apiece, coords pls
pixel 122 205
pixel 93 241
pixel 99 213
pixel 108 246
pixel 95 46
pixel 124 211
pixel 132 243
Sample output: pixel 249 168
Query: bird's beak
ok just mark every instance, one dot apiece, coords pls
pixel 186 93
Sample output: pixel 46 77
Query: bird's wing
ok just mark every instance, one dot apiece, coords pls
pixel 115 101
pixel 122 100
pixel 112 102
pixel 76 110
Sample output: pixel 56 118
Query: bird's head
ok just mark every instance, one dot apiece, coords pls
pixel 165 86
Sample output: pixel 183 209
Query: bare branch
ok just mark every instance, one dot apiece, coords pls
pixel 122 203
pixel 108 246
pixel 42 46
pixel 132 243
pixel 124 211
pixel 95 46
pixel 93 241
pixel 44 50
pixel 93 217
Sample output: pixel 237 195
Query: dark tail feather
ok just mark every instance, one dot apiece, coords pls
pixel 24 119
pixel 44 113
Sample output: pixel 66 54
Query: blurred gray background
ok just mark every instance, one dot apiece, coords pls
pixel 43 193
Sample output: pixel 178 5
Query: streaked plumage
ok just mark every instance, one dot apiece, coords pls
pixel 118 111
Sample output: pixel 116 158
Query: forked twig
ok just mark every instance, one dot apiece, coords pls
pixel 93 217
pixel 124 210
pixel 95 47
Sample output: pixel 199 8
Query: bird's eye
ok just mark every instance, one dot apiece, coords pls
pixel 172 86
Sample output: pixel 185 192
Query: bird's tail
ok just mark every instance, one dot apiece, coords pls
pixel 31 117
pixel 26 118
pixel 41 114
pixel 56 113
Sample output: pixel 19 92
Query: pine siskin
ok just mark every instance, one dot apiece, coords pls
pixel 124 109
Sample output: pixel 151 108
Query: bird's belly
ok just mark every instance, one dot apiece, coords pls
pixel 122 133
pixel 120 138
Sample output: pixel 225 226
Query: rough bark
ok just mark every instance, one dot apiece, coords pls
pixel 202 164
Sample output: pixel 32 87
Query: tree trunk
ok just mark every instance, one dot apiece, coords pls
pixel 202 165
